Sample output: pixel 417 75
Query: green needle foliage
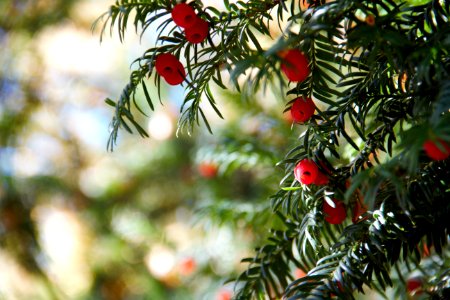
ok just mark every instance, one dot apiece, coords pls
pixel 380 74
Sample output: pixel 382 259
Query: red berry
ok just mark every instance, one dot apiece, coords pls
pixel 224 295
pixel 359 209
pixel 184 15
pixel 198 32
pixel 299 273
pixel 334 215
pixel 414 286
pixel 187 266
pixel 295 65
pixel 437 150
pixel 306 171
pixel 302 109
pixel 208 170
pixel 321 179
pixel 170 68
pixel 370 20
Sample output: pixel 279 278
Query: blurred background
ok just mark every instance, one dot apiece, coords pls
pixel 160 218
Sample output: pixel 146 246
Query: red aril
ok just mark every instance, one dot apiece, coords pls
pixel 414 286
pixel 184 15
pixel 170 68
pixel 437 150
pixel 207 170
pixel 198 32
pixel 302 109
pixel 294 65
pixel 334 215
pixel 321 179
pixel 306 171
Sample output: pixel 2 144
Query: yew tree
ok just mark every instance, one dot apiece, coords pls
pixel 364 200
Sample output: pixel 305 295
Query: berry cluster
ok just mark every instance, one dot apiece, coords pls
pixel 295 66
pixel 307 172
pixel 170 68
pixel 195 30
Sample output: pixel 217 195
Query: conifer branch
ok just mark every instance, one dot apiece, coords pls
pixel 379 70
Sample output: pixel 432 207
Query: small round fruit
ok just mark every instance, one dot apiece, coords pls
pixel 207 170
pixel 437 150
pixel 170 68
pixel 184 15
pixel 294 65
pixel 334 215
pixel 359 209
pixel 414 286
pixel 187 266
pixel 302 109
pixel 224 295
pixel 370 20
pixel 306 171
pixel 198 32
pixel 321 179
